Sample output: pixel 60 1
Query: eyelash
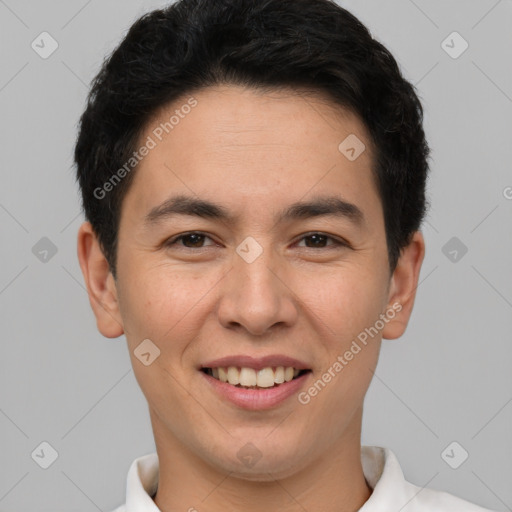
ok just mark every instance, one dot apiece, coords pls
pixel 336 243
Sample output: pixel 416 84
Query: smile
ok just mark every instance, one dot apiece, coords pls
pixel 249 378
pixel 246 393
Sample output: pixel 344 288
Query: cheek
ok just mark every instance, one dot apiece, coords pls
pixel 163 302
pixel 346 300
pixel 347 308
pixel 352 305
pixel 158 304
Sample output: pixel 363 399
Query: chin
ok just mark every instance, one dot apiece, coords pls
pixel 262 465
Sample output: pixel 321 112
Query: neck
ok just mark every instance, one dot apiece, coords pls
pixel 333 482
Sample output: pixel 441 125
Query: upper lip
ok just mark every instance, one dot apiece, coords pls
pixel 256 363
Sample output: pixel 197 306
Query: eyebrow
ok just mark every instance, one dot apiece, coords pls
pixel 319 206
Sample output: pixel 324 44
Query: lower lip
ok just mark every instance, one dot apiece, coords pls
pixel 257 399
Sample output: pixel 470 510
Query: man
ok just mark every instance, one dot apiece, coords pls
pixel 253 177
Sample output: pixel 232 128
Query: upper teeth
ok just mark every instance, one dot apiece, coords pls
pixel 264 378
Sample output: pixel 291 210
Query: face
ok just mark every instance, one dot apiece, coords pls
pixel 255 277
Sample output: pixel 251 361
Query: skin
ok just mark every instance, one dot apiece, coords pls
pixel 254 153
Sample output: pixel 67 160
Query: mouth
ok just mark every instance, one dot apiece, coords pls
pixel 249 378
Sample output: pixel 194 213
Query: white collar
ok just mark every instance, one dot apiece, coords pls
pixel 391 492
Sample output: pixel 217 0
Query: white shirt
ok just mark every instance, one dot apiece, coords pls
pixel 391 492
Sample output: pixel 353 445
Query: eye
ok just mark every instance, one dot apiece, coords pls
pixel 318 240
pixel 195 237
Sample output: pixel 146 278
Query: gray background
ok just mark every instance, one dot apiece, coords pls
pixel 447 379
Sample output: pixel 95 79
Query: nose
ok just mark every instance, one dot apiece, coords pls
pixel 257 296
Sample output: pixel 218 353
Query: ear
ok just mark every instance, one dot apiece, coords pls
pixel 100 283
pixel 403 284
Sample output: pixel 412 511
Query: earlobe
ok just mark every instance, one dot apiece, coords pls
pixel 100 284
pixel 404 283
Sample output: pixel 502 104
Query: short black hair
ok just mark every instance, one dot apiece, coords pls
pixel 192 44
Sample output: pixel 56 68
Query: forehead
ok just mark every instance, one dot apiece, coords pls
pixel 238 143
pixel 257 116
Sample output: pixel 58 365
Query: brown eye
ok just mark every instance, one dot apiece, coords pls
pixel 190 240
pixel 318 240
